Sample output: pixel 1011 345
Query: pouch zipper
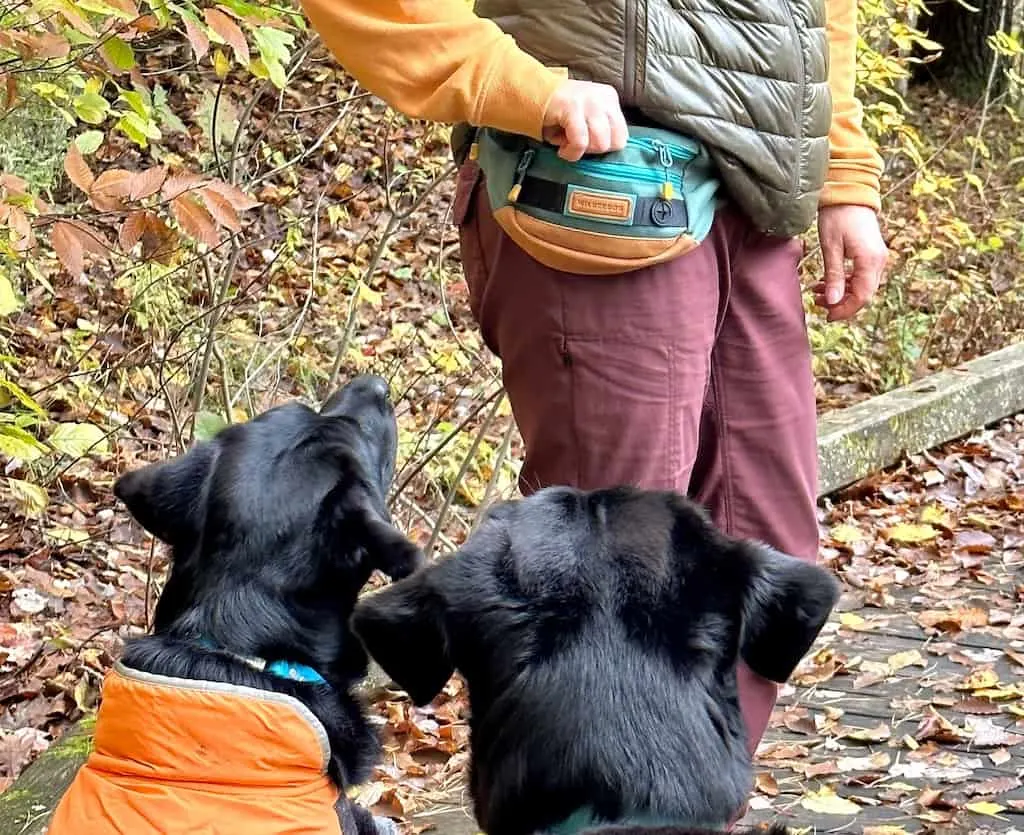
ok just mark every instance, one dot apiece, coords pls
pixel 625 171
pixel 659 146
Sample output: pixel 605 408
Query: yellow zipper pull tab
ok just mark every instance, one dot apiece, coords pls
pixel 667 193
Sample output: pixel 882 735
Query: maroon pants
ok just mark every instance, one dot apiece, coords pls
pixel 693 375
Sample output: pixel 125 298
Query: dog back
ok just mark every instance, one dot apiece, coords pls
pixel 176 756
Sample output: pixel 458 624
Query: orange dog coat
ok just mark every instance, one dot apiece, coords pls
pixel 206 758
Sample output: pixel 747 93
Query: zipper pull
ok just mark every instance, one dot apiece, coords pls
pixel 521 168
pixel 664 154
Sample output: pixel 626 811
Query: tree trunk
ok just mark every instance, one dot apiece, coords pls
pixel 966 60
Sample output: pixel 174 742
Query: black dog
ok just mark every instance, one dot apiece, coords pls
pixel 275 526
pixel 599 633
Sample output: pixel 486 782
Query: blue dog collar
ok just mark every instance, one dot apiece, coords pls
pixel 585 818
pixel 281 669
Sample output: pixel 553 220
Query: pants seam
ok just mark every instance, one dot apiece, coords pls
pixel 718 404
pixel 568 360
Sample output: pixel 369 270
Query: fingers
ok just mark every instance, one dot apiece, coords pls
pixel 849 233
pixel 576 131
pixel 585 118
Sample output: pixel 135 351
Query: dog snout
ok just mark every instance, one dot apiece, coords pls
pixel 367 392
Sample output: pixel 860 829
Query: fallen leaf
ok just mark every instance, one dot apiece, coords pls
pixel 1000 757
pixel 765 783
pixel 905 659
pixel 985 807
pixel 910 534
pixel 826 802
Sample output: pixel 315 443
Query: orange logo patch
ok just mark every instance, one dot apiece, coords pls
pixel 599 205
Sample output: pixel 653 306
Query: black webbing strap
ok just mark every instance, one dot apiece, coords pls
pixel 648 211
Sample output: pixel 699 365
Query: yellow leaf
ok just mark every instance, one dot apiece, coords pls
pixel 979 680
pixel 935 515
pixel 826 802
pixel 846 534
pixel 986 807
pixel 9 301
pixel 998 693
pixel 66 536
pixel 905 659
pixel 851 620
pixel 911 534
pixel 31 498
pixel 367 294
pixel 221 64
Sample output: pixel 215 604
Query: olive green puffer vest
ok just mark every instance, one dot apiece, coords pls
pixel 748 78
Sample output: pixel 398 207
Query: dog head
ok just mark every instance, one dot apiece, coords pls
pixel 599 633
pixel 292 503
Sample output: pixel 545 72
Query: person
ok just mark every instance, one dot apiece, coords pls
pixel 693 374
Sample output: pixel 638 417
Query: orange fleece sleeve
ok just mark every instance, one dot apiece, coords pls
pixel 436 60
pixel 854 164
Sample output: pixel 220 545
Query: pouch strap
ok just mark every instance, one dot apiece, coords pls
pixel 550 196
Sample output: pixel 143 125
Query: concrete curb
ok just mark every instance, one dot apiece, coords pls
pixel 865 438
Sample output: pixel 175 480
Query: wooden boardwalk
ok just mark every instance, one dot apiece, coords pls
pixel 921 728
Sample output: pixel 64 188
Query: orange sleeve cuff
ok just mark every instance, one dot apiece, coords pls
pixel 855 167
pixel 436 60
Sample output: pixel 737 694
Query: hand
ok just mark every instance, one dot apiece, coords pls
pixel 585 118
pixel 849 233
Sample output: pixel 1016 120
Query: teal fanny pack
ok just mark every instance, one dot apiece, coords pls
pixel 652 201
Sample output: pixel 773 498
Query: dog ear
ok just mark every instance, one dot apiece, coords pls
pixel 167 498
pixel 388 548
pixel 403 629
pixel 352 516
pixel 787 603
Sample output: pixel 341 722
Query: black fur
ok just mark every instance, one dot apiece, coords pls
pixel 274 526
pixel 598 633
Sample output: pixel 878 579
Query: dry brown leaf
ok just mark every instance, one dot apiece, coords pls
pixel 997 785
pixel 879 733
pixel 241 201
pixel 126 6
pixel 197 38
pixel 110 189
pixel 131 230
pixel 953 620
pixel 766 784
pixel 230 32
pixel 936 727
pixel 1000 756
pixel 984 733
pixel 66 242
pixel 77 169
pixel 159 242
pixel 222 210
pixel 974 541
pixel 177 184
pixel 195 220
pixel 147 183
